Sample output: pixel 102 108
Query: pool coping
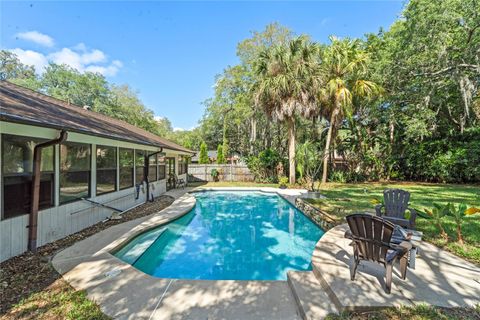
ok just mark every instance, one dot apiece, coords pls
pixel 90 265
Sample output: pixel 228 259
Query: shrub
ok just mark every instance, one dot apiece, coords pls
pixel 283 181
pixel 263 166
pixel 214 173
pixel 338 176
pixel 454 158
pixel 309 162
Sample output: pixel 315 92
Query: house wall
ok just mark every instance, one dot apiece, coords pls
pixel 62 220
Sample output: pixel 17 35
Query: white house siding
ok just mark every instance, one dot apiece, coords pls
pixel 13 237
pixel 62 220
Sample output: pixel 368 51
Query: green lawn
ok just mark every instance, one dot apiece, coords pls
pixel 343 199
pixel 57 301
pixel 419 312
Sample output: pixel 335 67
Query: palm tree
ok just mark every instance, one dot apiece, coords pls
pixel 344 66
pixel 287 79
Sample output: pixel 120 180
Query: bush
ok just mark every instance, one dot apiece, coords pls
pixel 455 158
pixel 283 181
pixel 214 173
pixel 263 166
pixel 338 176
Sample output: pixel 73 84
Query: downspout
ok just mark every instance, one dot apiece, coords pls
pixel 145 172
pixel 37 160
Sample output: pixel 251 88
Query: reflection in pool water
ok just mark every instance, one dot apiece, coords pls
pixel 233 235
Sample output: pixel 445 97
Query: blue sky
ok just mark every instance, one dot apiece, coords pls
pixel 170 52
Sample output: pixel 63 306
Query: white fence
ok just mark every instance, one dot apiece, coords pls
pixel 227 172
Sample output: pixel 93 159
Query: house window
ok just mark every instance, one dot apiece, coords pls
pixel 182 165
pixel 126 168
pixel 139 165
pixel 17 167
pixel 152 168
pixel 75 170
pixel 106 169
pixel 161 166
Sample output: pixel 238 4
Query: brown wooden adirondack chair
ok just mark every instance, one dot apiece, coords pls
pixel 395 203
pixel 371 237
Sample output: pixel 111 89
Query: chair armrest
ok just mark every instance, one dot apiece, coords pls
pixel 378 209
pixel 413 216
pixel 398 250
pixel 348 234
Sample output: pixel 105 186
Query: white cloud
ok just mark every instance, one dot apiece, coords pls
pixel 80 47
pixel 178 129
pixel 86 60
pixel 68 57
pixel 95 56
pixel 36 37
pixel 109 70
pixel 78 57
pixel 31 58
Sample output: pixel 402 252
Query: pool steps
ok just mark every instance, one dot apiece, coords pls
pixel 135 248
pixel 163 231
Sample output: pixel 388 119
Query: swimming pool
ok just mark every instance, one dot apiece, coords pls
pixel 228 235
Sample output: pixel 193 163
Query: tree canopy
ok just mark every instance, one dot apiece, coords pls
pixel 402 103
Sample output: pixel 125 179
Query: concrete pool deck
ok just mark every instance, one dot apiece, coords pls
pixel 439 278
pixel 124 292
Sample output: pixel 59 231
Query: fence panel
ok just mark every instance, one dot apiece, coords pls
pixel 227 172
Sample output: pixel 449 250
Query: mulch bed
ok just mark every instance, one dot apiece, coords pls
pixel 30 272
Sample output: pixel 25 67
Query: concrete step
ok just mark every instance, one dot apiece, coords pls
pixel 312 301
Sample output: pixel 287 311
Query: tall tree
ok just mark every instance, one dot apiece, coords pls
pixel 68 84
pixel 12 69
pixel 287 85
pixel 220 155
pixel 203 157
pixel 344 65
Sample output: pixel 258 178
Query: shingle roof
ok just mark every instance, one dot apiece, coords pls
pixel 22 105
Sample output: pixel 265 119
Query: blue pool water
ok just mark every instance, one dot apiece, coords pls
pixel 228 236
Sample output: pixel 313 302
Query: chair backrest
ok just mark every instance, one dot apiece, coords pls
pixel 395 202
pixel 372 236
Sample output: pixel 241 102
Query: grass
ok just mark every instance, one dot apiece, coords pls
pixel 343 199
pixel 57 301
pixel 419 312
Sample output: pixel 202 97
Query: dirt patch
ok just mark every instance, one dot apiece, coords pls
pixel 31 273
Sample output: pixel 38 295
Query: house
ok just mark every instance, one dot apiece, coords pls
pixel 88 166
pixel 212 156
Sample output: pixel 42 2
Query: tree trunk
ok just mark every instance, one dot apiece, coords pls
pixel 268 140
pixel 326 153
pixel 392 133
pixel 291 150
pixel 253 134
pixel 459 235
